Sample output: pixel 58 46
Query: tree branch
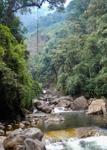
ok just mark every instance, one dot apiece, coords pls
pixel 33 4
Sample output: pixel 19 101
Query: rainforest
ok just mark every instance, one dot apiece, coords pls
pixel 53 75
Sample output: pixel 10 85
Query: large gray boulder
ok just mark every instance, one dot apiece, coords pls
pixel 97 106
pixel 80 103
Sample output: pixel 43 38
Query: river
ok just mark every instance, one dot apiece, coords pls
pixel 63 135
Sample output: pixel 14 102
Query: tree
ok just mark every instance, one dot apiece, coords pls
pixel 78 50
pixel 9 7
pixel 17 88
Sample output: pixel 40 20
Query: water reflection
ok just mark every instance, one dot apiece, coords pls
pixel 75 120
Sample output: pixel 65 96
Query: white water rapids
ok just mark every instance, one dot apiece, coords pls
pixel 90 143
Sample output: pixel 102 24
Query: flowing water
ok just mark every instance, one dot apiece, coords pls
pixel 90 143
pixel 62 136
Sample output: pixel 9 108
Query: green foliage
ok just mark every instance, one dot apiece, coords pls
pixel 77 49
pixel 16 85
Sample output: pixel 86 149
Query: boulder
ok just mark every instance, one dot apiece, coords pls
pixel 46 109
pixel 16 139
pixel 34 144
pixel 81 103
pixel 64 103
pixel 97 106
pixel 85 132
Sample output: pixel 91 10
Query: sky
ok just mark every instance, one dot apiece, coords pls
pixel 28 18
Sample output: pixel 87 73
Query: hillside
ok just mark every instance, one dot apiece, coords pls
pixel 44 25
pixel 74 57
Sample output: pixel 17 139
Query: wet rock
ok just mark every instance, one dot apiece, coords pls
pixel 97 106
pixel 81 103
pixel 16 139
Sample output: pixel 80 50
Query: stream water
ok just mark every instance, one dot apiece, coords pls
pixel 62 136
pixel 75 120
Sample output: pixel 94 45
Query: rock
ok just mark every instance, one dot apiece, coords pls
pixel 16 139
pixel 1 132
pixel 13 143
pixel 34 101
pixel 54 119
pixel 26 123
pixel 55 102
pixel 9 127
pixel 43 106
pixel 67 98
pixel 97 106
pixel 34 145
pixel 38 103
pixel 46 109
pixel 33 124
pixel 20 147
pixel 64 103
pixel 8 132
pixel 2 127
pixel 33 133
pixel 21 125
pixel 2 138
pixel 85 132
pixel 80 103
